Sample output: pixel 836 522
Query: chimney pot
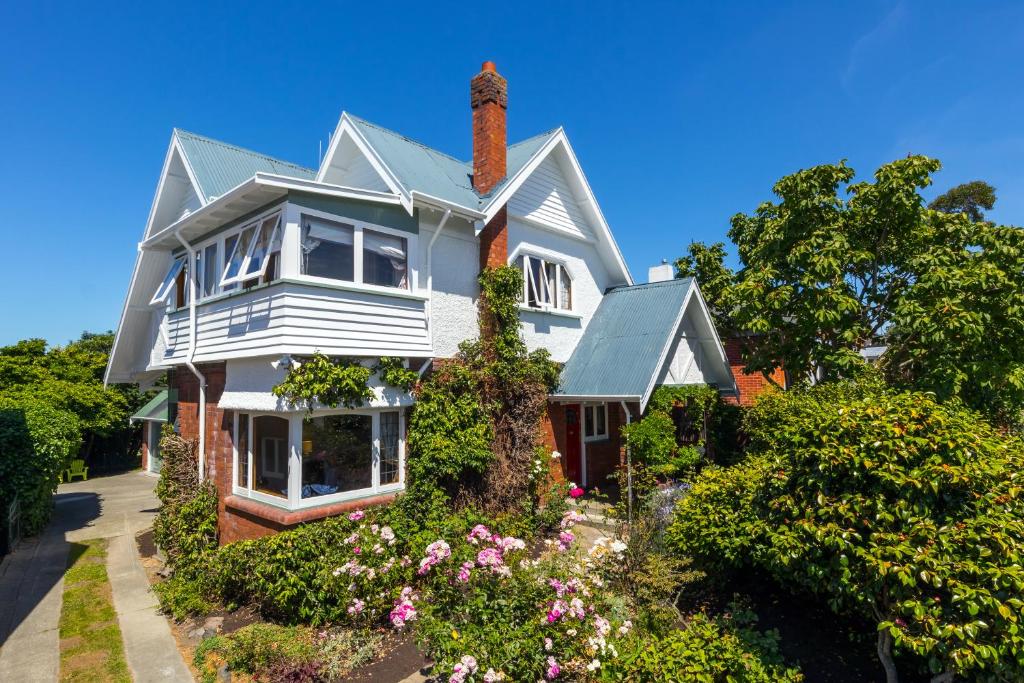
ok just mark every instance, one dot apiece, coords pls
pixel 489 66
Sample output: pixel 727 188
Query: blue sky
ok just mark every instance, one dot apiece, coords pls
pixel 681 114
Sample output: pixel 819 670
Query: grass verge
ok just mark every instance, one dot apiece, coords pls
pixel 91 649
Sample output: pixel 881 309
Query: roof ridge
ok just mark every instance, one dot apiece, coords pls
pixel 659 283
pixel 405 137
pixel 245 150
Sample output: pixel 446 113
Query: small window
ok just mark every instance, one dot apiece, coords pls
pixel 546 284
pixel 229 247
pixel 242 443
pixel 390 464
pixel 595 421
pixel 236 259
pixel 384 260
pixel 209 270
pixel 328 249
pixel 170 280
pixel 267 240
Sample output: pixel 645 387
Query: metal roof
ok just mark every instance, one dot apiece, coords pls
pixel 420 168
pixel 156 409
pixel 219 167
pixel 624 346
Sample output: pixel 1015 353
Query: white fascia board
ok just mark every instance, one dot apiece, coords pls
pixel 576 398
pixel 346 127
pixel 443 204
pixel 124 315
pixel 663 356
pixel 234 193
pixel 716 339
pixel 589 200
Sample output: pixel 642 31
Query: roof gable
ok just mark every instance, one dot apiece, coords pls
pixel 624 349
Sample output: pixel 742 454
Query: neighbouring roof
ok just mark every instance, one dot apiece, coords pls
pixel 219 167
pixel 422 169
pixel 155 410
pixel 624 346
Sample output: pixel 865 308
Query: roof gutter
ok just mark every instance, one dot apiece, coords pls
pixel 443 205
pixel 192 351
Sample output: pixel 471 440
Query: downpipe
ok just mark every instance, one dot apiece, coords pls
pixel 192 351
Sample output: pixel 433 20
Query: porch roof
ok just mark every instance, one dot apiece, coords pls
pixel 624 346
pixel 155 410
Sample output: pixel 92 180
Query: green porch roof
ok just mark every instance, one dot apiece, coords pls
pixel 155 410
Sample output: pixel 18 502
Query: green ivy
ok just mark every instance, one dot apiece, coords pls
pixel 393 372
pixel 328 381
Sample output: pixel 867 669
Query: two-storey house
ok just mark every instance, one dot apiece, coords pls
pixel 249 263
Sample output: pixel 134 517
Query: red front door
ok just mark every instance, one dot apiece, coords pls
pixel 573 464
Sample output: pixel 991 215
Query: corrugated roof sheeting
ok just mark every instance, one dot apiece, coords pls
pixel 156 409
pixel 423 169
pixel 219 167
pixel 621 350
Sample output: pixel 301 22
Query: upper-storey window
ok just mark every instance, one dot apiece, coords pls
pixel 546 284
pixel 328 249
pixel 350 252
pixel 253 251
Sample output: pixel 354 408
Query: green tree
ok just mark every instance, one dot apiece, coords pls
pixel 969 198
pixel 706 263
pixel 835 264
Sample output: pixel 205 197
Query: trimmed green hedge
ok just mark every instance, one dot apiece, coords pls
pixel 36 443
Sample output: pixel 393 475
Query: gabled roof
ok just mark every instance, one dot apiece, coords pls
pixel 155 410
pixel 425 170
pixel 219 167
pixel 625 346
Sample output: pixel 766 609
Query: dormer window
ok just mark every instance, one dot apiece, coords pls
pixel 546 284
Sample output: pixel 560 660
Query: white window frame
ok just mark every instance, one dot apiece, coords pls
pixel 257 227
pixel 594 407
pixel 167 285
pixel 294 500
pixel 553 302
pixel 411 253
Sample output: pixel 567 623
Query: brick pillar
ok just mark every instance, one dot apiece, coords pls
pixel 488 97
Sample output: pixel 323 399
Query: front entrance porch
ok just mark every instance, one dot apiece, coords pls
pixel 586 437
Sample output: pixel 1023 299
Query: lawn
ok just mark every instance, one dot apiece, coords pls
pixel 90 639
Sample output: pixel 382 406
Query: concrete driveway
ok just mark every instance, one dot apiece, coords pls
pixel 32 582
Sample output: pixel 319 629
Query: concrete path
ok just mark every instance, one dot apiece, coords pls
pixel 31 579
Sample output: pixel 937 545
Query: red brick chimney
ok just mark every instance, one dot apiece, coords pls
pixel 488 97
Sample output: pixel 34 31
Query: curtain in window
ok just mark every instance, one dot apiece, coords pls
pixel 314 230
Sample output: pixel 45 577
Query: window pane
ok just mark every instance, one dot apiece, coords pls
pixel 337 454
pixel 169 280
pixel 534 282
pixel 262 247
pixel 602 426
pixel 389 464
pixel 549 282
pixel 234 262
pixel 229 247
pixel 520 266
pixel 209 270
pixel 565 289
pixel 243 450
pixel 384 260
pixel 270 455
pixel 327 249
pixel 181 288
pixel 588 421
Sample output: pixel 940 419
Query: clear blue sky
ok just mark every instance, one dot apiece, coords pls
pixel 681 114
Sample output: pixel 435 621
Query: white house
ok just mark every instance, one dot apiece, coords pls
pixel 248 263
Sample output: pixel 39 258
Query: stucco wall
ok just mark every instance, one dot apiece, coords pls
pixel 557 333
pixel 455 267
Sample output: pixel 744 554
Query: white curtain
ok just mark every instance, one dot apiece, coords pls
pixel 391 247
pixel 315 230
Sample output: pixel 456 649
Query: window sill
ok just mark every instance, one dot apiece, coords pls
pixel 327 283
pixel 286 517
pixel 551 311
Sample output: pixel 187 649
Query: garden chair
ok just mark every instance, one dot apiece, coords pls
pixel 78 469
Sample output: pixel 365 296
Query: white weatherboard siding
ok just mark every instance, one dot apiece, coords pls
pixel 546 198
pixel 455 265
pixel 290 317
pixel 557 332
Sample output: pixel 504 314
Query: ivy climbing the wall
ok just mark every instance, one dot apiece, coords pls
pixel 331 382
pixel 475 425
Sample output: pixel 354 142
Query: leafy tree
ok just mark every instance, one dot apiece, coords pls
pixel 891 506
pixel 825 275
pixel 969 198
pixel 707 264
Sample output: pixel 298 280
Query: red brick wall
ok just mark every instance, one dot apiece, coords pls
pixel 494 241
pixel 749 385
pixel 603 457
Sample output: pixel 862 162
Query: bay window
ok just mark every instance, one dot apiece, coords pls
pixel 546 284
pixel 295 462
pixel 352 252
pixel 328 249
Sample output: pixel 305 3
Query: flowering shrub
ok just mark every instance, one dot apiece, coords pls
pixel 494 614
